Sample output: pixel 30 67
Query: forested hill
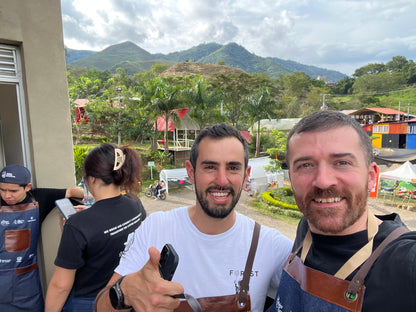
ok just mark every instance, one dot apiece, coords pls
pixel 134 59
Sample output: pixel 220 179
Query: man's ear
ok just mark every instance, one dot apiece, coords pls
pixel 190 171
pixel 28 187
pixel 247 175
pixel 373 171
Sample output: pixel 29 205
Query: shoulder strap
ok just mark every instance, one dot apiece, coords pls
pixel 244 287
pixel 359 277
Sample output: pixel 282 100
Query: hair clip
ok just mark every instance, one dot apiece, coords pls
pixel 119 159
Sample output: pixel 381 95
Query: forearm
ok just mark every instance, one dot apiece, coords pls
pixel 56 298
pixel 102 301
pixel 59 288
pixel 74 192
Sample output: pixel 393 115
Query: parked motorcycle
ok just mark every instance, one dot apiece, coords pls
pixel 150 192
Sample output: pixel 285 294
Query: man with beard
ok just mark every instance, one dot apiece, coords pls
pixel 210 237
pixel 344 258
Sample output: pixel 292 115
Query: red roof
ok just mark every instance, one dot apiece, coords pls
pixel 246 136
pixel 81 102
pixel 161 123
pixel 381 110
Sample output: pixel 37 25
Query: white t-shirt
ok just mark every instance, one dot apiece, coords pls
pixel 211 265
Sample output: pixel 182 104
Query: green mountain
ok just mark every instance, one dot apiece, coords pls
pixel 311 71
pixel 113 55
pixel 238 57
pixel 73 55
pixel 194 54
pixel 134 59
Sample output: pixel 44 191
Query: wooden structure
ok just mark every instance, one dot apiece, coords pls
pixel 183 132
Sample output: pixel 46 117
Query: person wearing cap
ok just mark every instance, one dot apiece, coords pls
pixel 22 211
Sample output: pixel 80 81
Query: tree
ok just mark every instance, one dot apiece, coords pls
pixel 344 86
pixel 380 83
pixel 296 84
pixel 233 88
pixel 397 63
pixel 154 72
pixel 409 72
pixel 102 115
pixel 164 103
pixel 370 69
pixel 258 107
pixel 204 104
pixel 279 149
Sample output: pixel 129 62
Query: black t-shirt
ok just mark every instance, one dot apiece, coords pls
pixel 45 197
pixel 94 239
pixel 391 282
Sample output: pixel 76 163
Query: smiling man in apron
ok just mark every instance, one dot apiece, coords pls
pixel 226 260
pixel 21 213
pixel 344 258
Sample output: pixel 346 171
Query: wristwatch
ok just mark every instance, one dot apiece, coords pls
pixel 117 297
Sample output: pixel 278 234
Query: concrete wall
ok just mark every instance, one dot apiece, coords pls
pixel 36 28
pixel 38 106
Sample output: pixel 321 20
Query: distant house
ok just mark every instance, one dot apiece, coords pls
pixel 388 127
pixel 371 115
pixel 411 134
pixel 246 135
pixel 80 115
pixel 181 131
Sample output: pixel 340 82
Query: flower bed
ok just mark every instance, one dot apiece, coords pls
pixel 280 207
pixel 267 196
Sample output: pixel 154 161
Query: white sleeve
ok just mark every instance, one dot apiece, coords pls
pixel 135 256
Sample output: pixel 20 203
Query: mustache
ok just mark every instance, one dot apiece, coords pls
pixel 221 188
pixel 321 193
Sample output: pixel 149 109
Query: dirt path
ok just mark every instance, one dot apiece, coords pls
pixel 185 197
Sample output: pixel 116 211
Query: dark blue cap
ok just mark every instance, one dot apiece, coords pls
pixel 15 174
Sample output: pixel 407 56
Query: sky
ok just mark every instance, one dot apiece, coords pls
pixel 341 35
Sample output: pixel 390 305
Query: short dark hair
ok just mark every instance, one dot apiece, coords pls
pixel 218 131
pixel 325 120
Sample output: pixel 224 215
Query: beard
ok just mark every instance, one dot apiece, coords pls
pixel 219 211
pixel 333 220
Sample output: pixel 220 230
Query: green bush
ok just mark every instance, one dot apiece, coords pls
pixel 281 197
pixel 147 173
pixel 80 153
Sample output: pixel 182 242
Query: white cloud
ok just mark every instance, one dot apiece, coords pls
pixel 335 34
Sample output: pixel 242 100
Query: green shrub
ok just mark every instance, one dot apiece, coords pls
pixel 282 197
pixel 79 156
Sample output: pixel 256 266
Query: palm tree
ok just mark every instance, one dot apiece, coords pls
pixel 204 105
pixel 163 103
pixel 258 106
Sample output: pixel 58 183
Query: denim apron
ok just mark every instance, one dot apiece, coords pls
pixel 20 287
pixel 305 289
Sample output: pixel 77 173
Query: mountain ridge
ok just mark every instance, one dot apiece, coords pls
pixel 134 59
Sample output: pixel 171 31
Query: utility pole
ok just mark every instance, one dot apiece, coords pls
pixel 408 111
pixel 398 114
pixel 324 106
pixel 119 117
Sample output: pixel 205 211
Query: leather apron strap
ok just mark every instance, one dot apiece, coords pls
pixel 359 277
pixel 302 285
pixel 242 296
pixel 358 258
pixel 237 302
